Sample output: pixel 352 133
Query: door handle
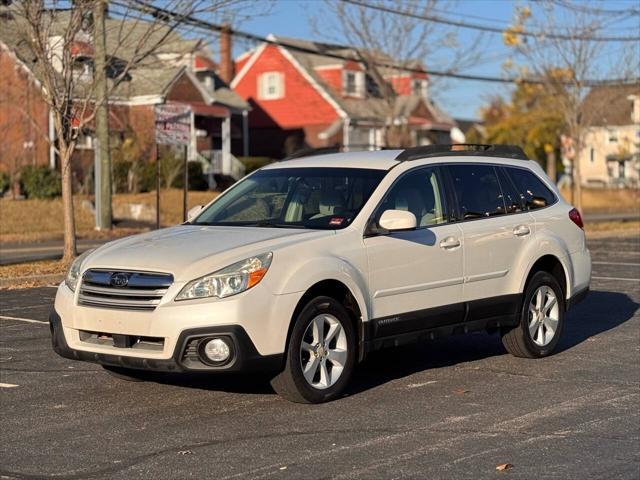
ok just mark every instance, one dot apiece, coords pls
pixel 521 231
pixel 450 243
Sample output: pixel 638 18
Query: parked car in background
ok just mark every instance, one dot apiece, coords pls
pixel 307 265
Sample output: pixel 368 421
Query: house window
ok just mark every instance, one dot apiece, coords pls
pixel 419 87
pixel 271 86
pixel 592 155
pixel 353 83
pixel 209 83
pixel 85 140
pixel 612 136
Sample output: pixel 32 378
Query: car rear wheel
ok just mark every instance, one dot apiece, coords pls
pixel 541 319
pixel 321 353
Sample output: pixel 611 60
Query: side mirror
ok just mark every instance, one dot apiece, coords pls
pixel 191 214
pixel 394 220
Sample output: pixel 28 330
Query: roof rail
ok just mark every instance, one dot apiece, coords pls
pixel 308 152
pixel 462 150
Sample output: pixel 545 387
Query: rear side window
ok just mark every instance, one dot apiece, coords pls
pixel 477 191
pixel 512 198
pixel 534 193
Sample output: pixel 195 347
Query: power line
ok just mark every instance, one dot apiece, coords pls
pixel 487 28
pixel 587 9
pixel 161 13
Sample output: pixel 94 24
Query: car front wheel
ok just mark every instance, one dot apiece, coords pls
pixel 321 353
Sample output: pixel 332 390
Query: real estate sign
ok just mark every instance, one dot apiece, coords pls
pixel 173 124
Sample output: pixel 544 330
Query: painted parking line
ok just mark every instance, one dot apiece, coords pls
pixel 621 279
pixel 625 264
pixel 18 319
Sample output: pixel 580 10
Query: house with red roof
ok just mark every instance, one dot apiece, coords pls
pixel 307 94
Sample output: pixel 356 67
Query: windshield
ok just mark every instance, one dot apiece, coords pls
pixel 318 198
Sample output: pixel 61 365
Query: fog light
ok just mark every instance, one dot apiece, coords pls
pixel 217 350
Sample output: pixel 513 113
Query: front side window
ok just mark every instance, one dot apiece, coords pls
pixel 533 191
pixel 316 198
pixel 477 191
pixel 419 192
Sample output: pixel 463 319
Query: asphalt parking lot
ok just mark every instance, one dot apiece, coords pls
pixel 452 408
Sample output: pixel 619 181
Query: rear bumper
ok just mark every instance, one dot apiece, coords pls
pixel 245 358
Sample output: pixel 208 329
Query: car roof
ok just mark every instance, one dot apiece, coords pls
pixel 386 159
pixel 377 160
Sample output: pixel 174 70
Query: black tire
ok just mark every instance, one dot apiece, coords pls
pixel 126 374
pixel 518 341
pixel 291 383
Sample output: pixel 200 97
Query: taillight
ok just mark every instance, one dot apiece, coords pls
pixel 575 217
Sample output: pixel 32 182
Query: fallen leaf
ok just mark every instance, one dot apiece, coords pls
pixel 460 391
pixel 185 452
pixel 504 466
pixel 283 468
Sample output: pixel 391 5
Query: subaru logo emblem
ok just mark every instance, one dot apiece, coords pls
pixel 119 280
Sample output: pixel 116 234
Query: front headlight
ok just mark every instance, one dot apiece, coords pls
pixel 73 275
pixel 229 281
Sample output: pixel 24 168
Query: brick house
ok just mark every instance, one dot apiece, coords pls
pixel 301 95
pixel 181 71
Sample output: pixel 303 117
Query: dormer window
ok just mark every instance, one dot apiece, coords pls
pixel 419 87
pixel 209 83
pixel 353 83
pixel 271 86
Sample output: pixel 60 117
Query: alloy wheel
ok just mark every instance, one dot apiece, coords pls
pixel 323 351
pixel 544 315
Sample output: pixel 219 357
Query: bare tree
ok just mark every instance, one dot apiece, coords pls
pixel 566 64
pixel 55 34
pixel 393 39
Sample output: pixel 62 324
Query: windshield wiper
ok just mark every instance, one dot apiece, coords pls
pixel 272 225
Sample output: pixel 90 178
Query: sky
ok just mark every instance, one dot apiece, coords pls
pixel 462 99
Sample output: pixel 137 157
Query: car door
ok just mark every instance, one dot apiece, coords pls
pixel 495 229
pixel 415 276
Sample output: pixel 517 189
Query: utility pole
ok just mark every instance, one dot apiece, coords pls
pixel 103 161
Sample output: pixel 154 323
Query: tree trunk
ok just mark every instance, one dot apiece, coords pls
pixel 67 205
pixel 577 187
pixel 551 164
pixel 103 191
pixel 576 184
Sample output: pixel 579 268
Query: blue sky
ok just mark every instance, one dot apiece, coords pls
pixel 460 98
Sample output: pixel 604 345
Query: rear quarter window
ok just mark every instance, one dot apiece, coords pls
pixel 534 193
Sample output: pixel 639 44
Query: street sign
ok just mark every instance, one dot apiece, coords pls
pixel 173 124
pixel 173 127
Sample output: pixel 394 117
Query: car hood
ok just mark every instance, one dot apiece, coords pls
pixel 189 251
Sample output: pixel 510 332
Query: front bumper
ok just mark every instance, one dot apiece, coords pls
pixel 184 359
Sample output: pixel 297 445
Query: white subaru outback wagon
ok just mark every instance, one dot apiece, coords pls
pixel 306 265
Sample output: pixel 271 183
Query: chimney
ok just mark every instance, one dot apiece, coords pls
pixel 226 63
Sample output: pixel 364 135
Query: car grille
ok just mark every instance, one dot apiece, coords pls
pixel 123 289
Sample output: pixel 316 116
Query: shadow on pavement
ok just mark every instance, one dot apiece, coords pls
pixel 599 312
